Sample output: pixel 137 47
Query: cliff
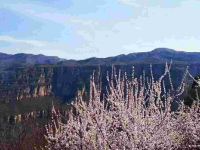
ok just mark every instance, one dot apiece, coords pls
pixel 24 83
pixel 65 81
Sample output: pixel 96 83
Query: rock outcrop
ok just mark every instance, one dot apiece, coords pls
pixel 25 83
pixel 65 81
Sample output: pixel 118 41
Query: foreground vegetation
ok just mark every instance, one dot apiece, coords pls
pixel 136 113
pixel 133 114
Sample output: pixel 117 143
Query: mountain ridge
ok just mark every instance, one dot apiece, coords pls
pixel 158 55
pixel 22 59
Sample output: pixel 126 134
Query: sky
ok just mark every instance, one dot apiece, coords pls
pixel 79 29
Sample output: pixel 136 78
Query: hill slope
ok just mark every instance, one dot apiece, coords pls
pixel 159 55
pixel 22 59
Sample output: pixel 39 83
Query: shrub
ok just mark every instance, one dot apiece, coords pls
pixel 134 114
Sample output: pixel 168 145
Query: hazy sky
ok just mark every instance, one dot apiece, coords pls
pixel 77 29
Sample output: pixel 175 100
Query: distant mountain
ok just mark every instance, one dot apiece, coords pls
pixel 156 56
pixel 26 59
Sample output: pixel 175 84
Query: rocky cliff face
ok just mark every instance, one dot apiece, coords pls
pixel 24 83
pixel 64 81
pixel 41 86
